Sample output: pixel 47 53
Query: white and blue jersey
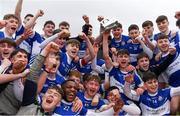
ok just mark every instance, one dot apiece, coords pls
pixel 87 68
pixel 134 50
pixel 57 81
pixel 66 65
pixel 87 102
pixel 173 70
pixel 35 42
pixel 158 104
pixel 172 40
pixel 117 78
pixel 25 44
pixel 126 101
pixel 65 109
pixel 3 35
pixel 119 44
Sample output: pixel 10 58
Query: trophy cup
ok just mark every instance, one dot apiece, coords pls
pixel 108 24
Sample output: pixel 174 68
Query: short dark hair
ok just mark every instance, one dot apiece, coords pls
pixel 9 41
pixel 161 18
pixel 29 15
pixel 93 77
pixel 85 28
pixel 147 23
pixel 64 83
pixel 112 88
pixel 119 25
pixel 162 36
pixel 64 23
pixel 133 27
pixel 58 89
pixel 122 52
pixel 149 76
pixel 178 23
pixel 73 41
pixel 17 51
pixel 8 16
pixel 142 55
pixel 49 22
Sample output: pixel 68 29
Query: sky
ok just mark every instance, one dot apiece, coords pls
pixel 127 12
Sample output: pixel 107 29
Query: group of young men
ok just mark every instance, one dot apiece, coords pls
pixel 112 74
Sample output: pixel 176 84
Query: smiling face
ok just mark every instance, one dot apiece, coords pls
pixel 6 50
pixel 11 26
pixel 163 45
pixel 151 86
pixel 123 60
pixel 51 99
pixel 143 63
pixel 113 96
pixel 134 33
pixel 70 91
pixel 72 50
pixel 52 62
pixel 60 42
pixel 92 87
pixel 117 32
pixel 163 26
pixel 48 30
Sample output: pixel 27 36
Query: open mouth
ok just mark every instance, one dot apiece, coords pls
pixel 73 52
pixel 13 28
pixel 92 91
pixel 54 65
pixel 123 63
pixel 5 53
pixel 49 100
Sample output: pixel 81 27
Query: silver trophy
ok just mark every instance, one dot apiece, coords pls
pixel 108 24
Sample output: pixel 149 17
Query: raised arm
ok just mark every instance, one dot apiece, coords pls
pixel 150 44
pixel 30 88
pixel 89 46
pixel 18 10
pixel 127 91
pixel 147 50
pixel 31 23
pixel 108 61
pixel 162 67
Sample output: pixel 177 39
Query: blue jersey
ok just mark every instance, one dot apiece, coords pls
pixel 87 68
pixel 173 40
pixel 57 81
pixel 173 70
pixel 158 104
pixel 87 102
pixel 117 78
pixel 3 35
pixel 134 50
pixel 31 44
pixel 65 109
pixel 35 42
pixel 119 44
pixel 25 44
pixel 67 64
